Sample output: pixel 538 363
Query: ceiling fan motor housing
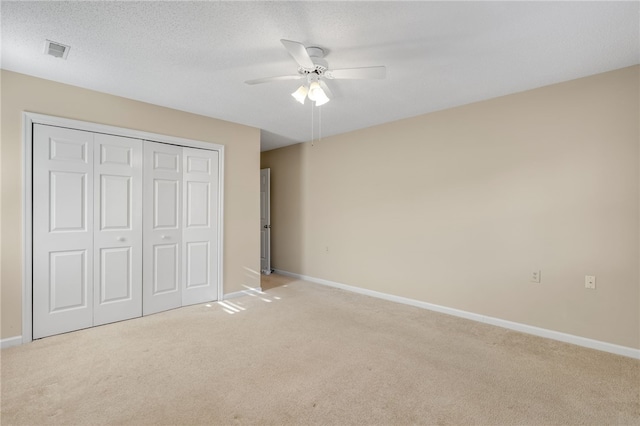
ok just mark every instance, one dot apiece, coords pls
pixel 316 54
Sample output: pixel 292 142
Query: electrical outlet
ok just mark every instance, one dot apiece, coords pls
pixel 535 276
pixel 590 282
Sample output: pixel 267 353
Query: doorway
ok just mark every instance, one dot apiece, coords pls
pixel 265 221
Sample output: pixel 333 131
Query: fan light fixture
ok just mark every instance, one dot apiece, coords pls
pixel 314 92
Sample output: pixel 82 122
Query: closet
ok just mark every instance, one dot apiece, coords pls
pixel 122 227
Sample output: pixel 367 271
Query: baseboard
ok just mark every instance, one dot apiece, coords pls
pixel 249 290
pixel 524 328
pixel 17 340
pixel 10 341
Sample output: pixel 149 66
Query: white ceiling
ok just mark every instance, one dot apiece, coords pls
pixel 195 56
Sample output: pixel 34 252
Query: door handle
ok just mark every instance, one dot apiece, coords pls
pixel 267 226
pixel 165 237
pixel 120 238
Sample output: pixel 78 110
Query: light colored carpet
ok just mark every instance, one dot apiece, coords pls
pixel 307 354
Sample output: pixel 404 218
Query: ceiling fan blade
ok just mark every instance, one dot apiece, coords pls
pixel 357 73
pixel 270 79
pixel 326 89
pixel 299 53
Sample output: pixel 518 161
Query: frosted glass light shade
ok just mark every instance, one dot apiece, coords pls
pixel 321 98
pixel 317 95
pixel 314 90
pixel 300 94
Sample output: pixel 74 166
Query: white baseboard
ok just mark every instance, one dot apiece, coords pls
pixel 10 341
pixel 17 340
pixel 249 290
pixel 524 328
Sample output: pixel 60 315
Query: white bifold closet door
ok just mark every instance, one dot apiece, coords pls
pixel 121 228
pixel 87 229
pixel 180 226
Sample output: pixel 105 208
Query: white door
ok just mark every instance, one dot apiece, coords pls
pixel 62 230
pixel 121 228
pixel 265 221
pixel 117 262
pixel 199 226
pixel 162 259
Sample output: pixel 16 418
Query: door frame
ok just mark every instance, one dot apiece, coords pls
pixel 28 120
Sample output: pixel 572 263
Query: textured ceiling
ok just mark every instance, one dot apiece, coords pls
pixel 195 56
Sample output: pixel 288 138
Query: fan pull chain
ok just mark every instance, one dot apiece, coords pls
pixel 311 123
pixel 319 123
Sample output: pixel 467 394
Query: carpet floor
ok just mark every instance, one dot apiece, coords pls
pixel 300 353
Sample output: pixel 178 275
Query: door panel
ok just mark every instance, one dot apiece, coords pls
pixel 117 155
pixel 197 211
pixel 115 202
pixel 118 228
pixel 116 281
pixel 68 202
pixel 67 149
pixel 167 161
pixel 62 230
pixel 198 270
pixel 162 263
pixel 200 233
pixel 166 204
pixel 166 259
pixel 198 165
pixel 68 280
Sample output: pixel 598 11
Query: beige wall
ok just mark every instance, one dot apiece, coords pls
pixel 457 207
pixel 242 158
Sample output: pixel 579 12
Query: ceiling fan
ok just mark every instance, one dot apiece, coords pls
pixel 314 69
